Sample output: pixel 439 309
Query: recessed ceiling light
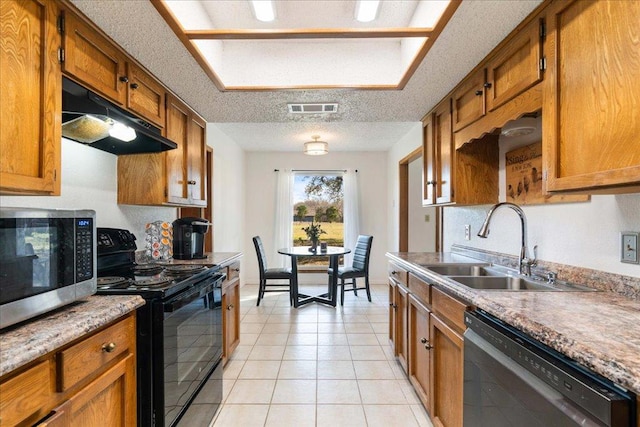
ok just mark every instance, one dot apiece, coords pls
pixel 264 10
pixel 367 10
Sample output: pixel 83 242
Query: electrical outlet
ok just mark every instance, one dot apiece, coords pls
pixel 427 218
pixel 467 232
pixel 629 247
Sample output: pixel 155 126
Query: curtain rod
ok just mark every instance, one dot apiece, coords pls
pixel 316 170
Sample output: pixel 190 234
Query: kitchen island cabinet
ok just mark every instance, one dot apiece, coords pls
pixel 231 311
pixel 398 303
pixel 31 92
pixel 75 366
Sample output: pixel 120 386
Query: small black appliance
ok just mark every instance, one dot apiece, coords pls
pixel 188 237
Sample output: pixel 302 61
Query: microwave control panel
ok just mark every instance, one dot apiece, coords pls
pixel 84 249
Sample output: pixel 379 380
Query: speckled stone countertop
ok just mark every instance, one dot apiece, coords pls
pixel 597 329
pixel 212 259
pixel 26 342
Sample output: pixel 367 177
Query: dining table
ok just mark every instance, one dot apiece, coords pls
pixel 334 253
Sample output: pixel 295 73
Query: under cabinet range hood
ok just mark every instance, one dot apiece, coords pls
pixel 92 120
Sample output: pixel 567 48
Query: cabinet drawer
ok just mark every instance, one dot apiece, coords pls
pixel 89 356
pixel 398 274
pixel 449 308
pixel 233 272
pixel 25 394
pixel 420 289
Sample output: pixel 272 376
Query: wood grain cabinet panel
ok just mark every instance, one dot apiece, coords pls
pixel 419 350
pixel 145 95
pixel 443 140
pixel 231 312
pixel 401 301
pixel 592 92
pixel 31 93
pixel 516 67
pixel 177 131
pixel 196 161
pixel 26 395
pixel 469 100
pixel 93 60
pixel 428 163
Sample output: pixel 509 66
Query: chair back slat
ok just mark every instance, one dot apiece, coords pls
pixel 362 252
pixel 262 257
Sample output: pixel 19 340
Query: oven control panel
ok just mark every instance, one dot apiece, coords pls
pixel 113 240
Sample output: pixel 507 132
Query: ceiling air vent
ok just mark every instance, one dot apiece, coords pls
pixel 319 108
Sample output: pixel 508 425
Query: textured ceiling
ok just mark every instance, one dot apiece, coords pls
pixel 259 120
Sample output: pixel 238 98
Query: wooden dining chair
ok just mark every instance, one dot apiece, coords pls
pixel 359 268
pixel 271 274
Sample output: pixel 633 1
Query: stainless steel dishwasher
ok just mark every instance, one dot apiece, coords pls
pixel 512 380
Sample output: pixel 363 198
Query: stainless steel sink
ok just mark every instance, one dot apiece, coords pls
pixel 514 283
pixel 465 270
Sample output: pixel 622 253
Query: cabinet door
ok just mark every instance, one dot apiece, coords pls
pixel 196 162
pixel 468 100
pixel 444 153
pixel 94 60
pixel 419 349
pixel 109 400
pixel 392 315
pixel 447 362
pixel 402 300
pixel 31 93
pixel 428 163
pixel 145 95
pixel 591 97
pixel 515 68
pixel 231 319
pixel 177 131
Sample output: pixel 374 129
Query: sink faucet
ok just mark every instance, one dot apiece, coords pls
pixel 524 262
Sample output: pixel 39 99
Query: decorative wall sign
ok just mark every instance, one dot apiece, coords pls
pixel 524 178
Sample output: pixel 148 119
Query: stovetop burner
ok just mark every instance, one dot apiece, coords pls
pixel 113 282
pixel 182 269
pixel 153 282
pixel 146 269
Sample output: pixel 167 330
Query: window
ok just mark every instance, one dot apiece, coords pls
pixel 318 198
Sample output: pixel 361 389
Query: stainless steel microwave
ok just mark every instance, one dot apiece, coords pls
pixel 47 260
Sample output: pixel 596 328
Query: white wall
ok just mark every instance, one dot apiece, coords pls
pixel 404 147
pixel 228 192
pixel 260 190
pixel 422 233
pixel 89 181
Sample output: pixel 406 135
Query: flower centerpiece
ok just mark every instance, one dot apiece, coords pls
pixel 313 232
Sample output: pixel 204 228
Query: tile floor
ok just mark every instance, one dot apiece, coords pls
pixel 316 366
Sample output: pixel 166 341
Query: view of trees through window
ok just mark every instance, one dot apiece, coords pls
pixel 318 198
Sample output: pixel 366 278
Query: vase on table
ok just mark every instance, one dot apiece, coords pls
pixel 314 245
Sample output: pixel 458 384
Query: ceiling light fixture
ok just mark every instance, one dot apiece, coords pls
pixel 263 10
pixel 315 147
pixel 367 10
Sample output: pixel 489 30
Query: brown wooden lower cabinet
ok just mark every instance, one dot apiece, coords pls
pixel 231 311
pixel 447 363
pixel 104 394
pixel 419 344
pixel 401 303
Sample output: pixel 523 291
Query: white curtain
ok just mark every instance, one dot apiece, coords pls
pixel 351 212
pixel 283 233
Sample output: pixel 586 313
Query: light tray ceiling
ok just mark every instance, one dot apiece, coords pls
pixel 374 119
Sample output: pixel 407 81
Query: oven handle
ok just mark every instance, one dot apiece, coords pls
pixel 198 291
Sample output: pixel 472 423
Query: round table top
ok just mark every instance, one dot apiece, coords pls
pixel 304 251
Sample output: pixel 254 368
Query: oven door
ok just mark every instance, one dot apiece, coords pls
pixel 192 345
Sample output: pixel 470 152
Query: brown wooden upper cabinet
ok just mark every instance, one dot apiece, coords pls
pixel 175 177
pixel 31 93
pixel 98 63
pixel 592 92
pixel 513 69
pixel 437 156
pixel 428 165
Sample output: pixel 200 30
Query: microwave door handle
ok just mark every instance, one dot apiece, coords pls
pixel 187 298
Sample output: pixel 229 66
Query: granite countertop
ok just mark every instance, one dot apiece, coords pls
pixel 597 329
pixel 212 259
pixel 24 343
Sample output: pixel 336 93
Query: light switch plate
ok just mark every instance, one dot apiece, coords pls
pixel 467 232
pixel 629 247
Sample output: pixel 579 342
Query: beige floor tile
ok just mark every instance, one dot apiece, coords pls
pixel 232 369
pixel 341 416
pixel 332 339
pixel 280 318
pixel 304 328
pixel 409 392
pixel 291 416
pixel 331 328
pixel 266 352
pixel 334 352
pixel 241 352
pixel 338 392
pixel 260 370
pixel 298 369
pixel 362 339
pixel 272 339
pixel 294 392
pixel 381 392
pixel 422 417
pixel 358 328
pixel 378 318
pixel 303 339
pixel 275 328
pixel 354 316
pixel 227 385
pixel 373 370
pixel 252 328
pixel 300 352
pixel 336 370
pixel 248 339
pixel 241 416
pixel 255 318
pixel 380 328
pixel 367 352
pixel 251 391
pixel 389 415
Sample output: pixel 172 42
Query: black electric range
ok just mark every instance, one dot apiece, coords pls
pixel 179 329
